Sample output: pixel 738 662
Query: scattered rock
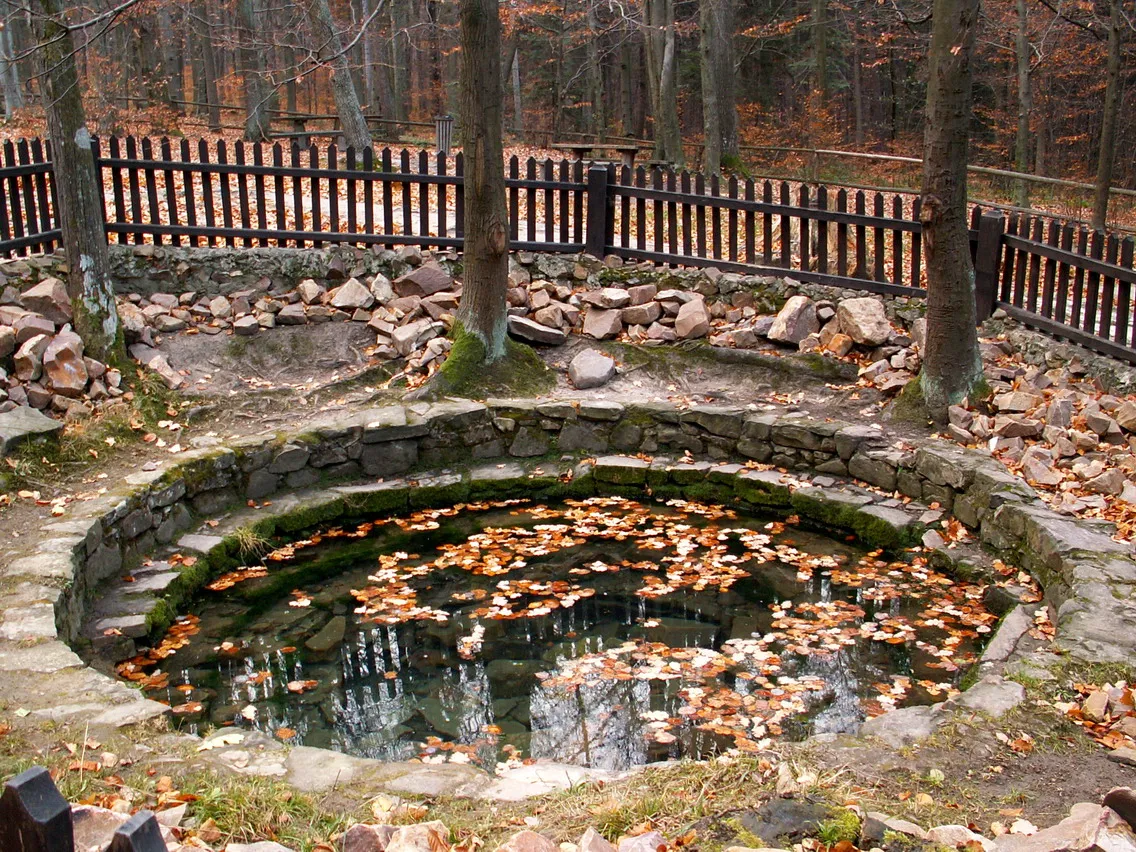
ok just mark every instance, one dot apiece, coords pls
pixel 368 838
pixel 693 320
pixel 64 366
pixel 533 332
pixel 864 320
pixel 423 281
pixel 602 324
pixel 246 326
pixel 591 369
pixel 351 295
pixel 310 292
pixel 796 321
pixel 530 841
pixel 49 298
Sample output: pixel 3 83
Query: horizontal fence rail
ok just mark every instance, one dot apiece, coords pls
pixel 1067 281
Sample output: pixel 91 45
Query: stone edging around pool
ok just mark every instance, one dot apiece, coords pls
pixel 473 451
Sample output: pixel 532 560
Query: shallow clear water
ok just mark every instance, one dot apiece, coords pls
pixel 606 632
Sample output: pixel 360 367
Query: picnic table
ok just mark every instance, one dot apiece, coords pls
pixel 583 151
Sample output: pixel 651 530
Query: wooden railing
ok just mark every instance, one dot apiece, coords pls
pixel 1066 281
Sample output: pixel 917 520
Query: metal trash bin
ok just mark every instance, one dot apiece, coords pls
pixel 444 132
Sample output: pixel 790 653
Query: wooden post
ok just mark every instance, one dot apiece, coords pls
pixel 140 833
pixel 34 817
pixel 599 211
pixel 991 226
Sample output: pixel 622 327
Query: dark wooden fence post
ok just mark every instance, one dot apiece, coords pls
pixel 991 226
pixel 34 817
pixel 599 210
pixel 140 833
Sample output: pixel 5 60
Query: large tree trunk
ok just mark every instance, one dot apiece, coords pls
pixel 80 210
pixel 10 73
pixel 663 61
pixel 486 252
pixel 719 111
pixel 597 115
pixel 1025 106
pixel 171 58
pixel 209 65
pixel 331 51
pixel 259 97
pixel 1109 117
pixel 952 368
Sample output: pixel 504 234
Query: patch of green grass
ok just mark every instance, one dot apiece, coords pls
pixel 250 543
pixel 844 825
pixel 248 808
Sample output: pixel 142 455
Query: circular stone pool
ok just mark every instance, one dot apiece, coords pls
pixel 606 632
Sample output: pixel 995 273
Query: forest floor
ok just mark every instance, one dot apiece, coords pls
pixel 1031 763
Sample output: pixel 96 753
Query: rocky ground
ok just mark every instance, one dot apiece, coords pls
pixel 263 356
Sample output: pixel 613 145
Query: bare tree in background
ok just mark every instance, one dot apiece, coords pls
pixel 80 210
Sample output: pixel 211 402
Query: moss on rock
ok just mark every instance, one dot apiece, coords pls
pixel 464 373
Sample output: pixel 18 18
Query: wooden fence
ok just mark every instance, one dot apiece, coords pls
pixel 34 817
pixel 1066 281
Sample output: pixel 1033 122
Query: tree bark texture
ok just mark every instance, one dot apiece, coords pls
pixel 1025 105
pixel 80 192
pixel 952 368
pixel 331 51
pixel 10 74
pixel 486 252
pixel 1110 115
pixel 662 61
pixel 259 97
pixel 171 57
pixel 719 109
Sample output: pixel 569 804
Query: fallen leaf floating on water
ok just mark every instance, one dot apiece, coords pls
pixel 677 555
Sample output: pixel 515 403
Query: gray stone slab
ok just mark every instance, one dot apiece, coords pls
pixel 199 543
pixel 24 423
pixel 45 657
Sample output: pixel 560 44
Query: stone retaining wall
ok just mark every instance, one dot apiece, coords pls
pixel 474 450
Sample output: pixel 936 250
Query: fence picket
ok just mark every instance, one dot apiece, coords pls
pixel 135 189
pixel 530 200
pixel 897 242
pixel 672 212
pixel 187 191
pixel 207 190
pixel 878 212
pixel 750 222
pixel 171 190
pixel 45 208
pixel 1049 277
pixel 1124 295
pixel 1112 249
pixel 369 190
pixel 34 815
pixel 1051 271
pixel 424 197
pixel 24 156
pixel 1092 294
pixel 732 220
pixel 242 190
pixel 261 200
pixel 333 190
pixel 404 167
pixel 352 190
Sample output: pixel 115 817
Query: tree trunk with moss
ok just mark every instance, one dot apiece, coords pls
pixel 952 368
pixel 79 211
pixel 486 251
